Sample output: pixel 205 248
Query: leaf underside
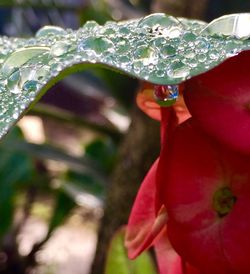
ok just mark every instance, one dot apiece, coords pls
pixel 160 49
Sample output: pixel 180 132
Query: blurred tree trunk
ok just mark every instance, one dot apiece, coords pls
pixel 139 149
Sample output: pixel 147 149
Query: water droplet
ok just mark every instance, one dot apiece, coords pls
pixel 173 32
pixel 192 63
pixel 214 54
pixel 202 45
pixel 21 57
pixel 158 19
pixel 147 55
pixel 201 57
pixel 189 37
pixel 122 46
pixel 2 87
pixel 160 24
pixel 13 82
pixel 189 53
pixel 15 115
pixel 30 86
pixel 124 30
pixel 2 58
pixel 124 61
pixel 167 51
pixel 137 66
pixel 166 95
pixel 60 48
pixel 230 25
pixel 177 70
pixel 159 41
pixel 55 68
pixel 96 45
pixel 90 25
pixel 108 31
pixel 50 30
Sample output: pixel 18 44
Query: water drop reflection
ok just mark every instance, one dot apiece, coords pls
pixel 166 95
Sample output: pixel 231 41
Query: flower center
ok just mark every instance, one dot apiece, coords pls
pixel 223 201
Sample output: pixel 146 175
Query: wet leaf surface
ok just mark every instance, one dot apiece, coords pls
pixel 160 49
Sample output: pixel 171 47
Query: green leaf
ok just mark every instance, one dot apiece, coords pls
pixel 46 151
pixel 62 209
pixel 16 169
pixel 158 48
pixel 118 262
pixel 84 181
pixel 102 151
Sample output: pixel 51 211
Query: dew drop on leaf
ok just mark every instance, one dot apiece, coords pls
pixel 30 86
pixel 13 82
pixel 59 49
pixel 15 115
pixel 90 25
pixel 166 95
pixel 96 45
pixel 50 30
pixel 2 57
pixel 167 51
pixel 2 87
pixel 201 57
pixel 158 19
pixel 178 70
pixel 214 54
pixel 234 25
pixel 146 55
pixel 20 57
pixel 161 25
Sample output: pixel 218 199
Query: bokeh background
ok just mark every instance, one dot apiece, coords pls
pixel 70 169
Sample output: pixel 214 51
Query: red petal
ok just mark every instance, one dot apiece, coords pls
pixel 169 262
pixel 146 102
pixel 219 101
pixel 144 224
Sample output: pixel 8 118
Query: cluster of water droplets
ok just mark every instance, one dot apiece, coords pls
pixel 158 48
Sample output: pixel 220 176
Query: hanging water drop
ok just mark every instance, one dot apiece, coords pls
pixel 166 95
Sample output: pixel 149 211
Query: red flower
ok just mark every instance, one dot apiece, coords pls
pixel 194 200
pixel 147 224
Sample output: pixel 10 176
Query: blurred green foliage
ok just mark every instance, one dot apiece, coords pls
pixel 118 262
